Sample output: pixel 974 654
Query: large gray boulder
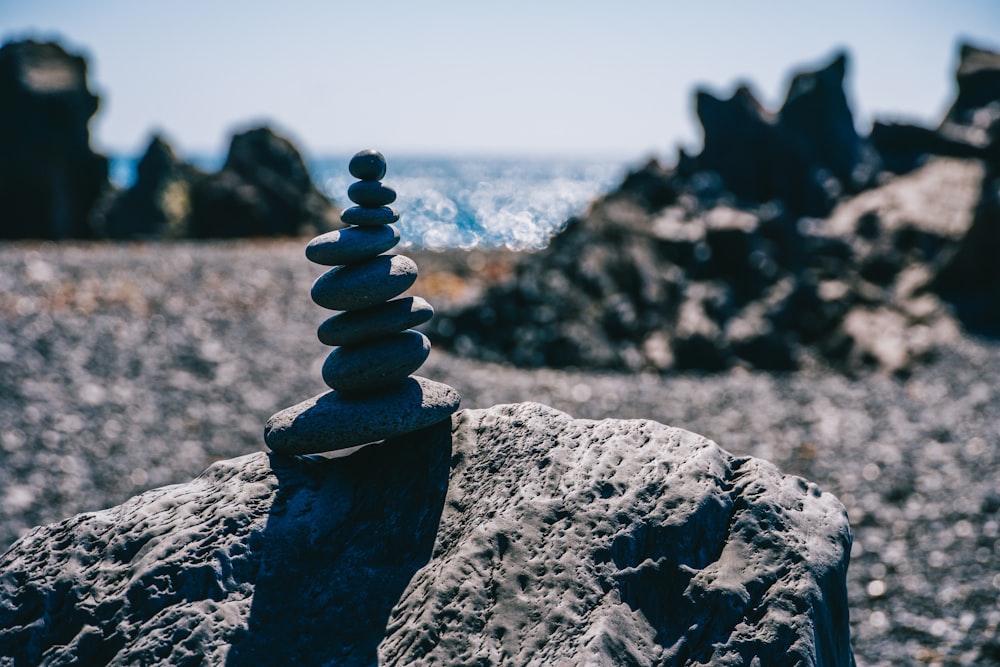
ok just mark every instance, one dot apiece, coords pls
pixel 518 536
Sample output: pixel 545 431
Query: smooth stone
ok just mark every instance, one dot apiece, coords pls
pixel 370 194
pixel 367 217
pixel 364 367
pixel 351 244
pixel 368 165
pixel 331 421
pixel 357 326
pixel 364 284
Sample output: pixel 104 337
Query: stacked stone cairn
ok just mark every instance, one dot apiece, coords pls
pixel 373 394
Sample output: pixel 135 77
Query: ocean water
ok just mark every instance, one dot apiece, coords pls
pixel 466 202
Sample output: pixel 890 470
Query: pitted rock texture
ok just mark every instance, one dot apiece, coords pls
pixel 555 541
pixel 622 542
pixel 262 560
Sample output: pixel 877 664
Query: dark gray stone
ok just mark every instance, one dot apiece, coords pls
pixel 263 189
pixel 364 284
pixel 351 244
pixel 363 325
pixel 526 537
pixel 358 215
pixel 158 205
pixel 370 194
pixel 381 363
pixel 332 421
pixel 368 165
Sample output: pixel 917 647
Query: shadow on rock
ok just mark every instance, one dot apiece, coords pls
pixel 343 539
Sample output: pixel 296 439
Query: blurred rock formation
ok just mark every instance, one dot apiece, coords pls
pixel 158 205
pixel 805 155
pixel 780 244
pixel 49 176
pixel 263 189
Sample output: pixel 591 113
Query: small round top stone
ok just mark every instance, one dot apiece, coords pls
pixel 368 165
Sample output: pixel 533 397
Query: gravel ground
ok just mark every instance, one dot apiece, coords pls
pixel 125 367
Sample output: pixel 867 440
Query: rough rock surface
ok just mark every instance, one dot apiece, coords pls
pixel 120 364
pixel 49 176
pixel 533 537
pixel 263 189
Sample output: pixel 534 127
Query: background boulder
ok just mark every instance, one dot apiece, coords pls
pixel 779 245
pixel 522 535
pixel 805 155
pixel 970 128
pixel 263 189
pixel 49 176
pixel 158 204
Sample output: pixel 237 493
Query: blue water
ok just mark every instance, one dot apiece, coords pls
pixel 466 202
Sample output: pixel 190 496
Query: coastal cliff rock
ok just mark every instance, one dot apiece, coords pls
pixel 970 128
pixel 263 189
pixel 518 535
pixel 49 176
pixel 158 205
pixel 707 286
pixel 805 155
pixel 778 246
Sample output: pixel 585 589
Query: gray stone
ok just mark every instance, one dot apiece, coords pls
pixel 370 194
pixel 368 165
pixel 368 217
pixel 521 537
pixel 381 363
pixel 364 284
pixel 364 325
pixel 351 244
pixel 332 421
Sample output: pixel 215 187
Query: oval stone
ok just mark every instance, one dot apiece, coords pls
pixel 368 165
pixel 367 217
pixel 364 284
pixel 331 421
pixel 364 367
pixel 358 326
pixel 351 244
pixel 370 194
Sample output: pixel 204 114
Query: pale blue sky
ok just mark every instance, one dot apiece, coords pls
pixel 514 77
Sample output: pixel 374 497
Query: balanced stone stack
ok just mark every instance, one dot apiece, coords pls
pixel 373 394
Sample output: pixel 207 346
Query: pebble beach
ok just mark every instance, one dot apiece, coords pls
pixel 124 367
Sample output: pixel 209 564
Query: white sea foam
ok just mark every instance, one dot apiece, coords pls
pixel 465 202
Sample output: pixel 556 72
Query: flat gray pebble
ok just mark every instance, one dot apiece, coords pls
pixel 381 363
pixel 358 326
pixel 370 194
pixel 368 165
pixel 366 217
pixel 364 284
pixel 351 244
pixel 332 421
